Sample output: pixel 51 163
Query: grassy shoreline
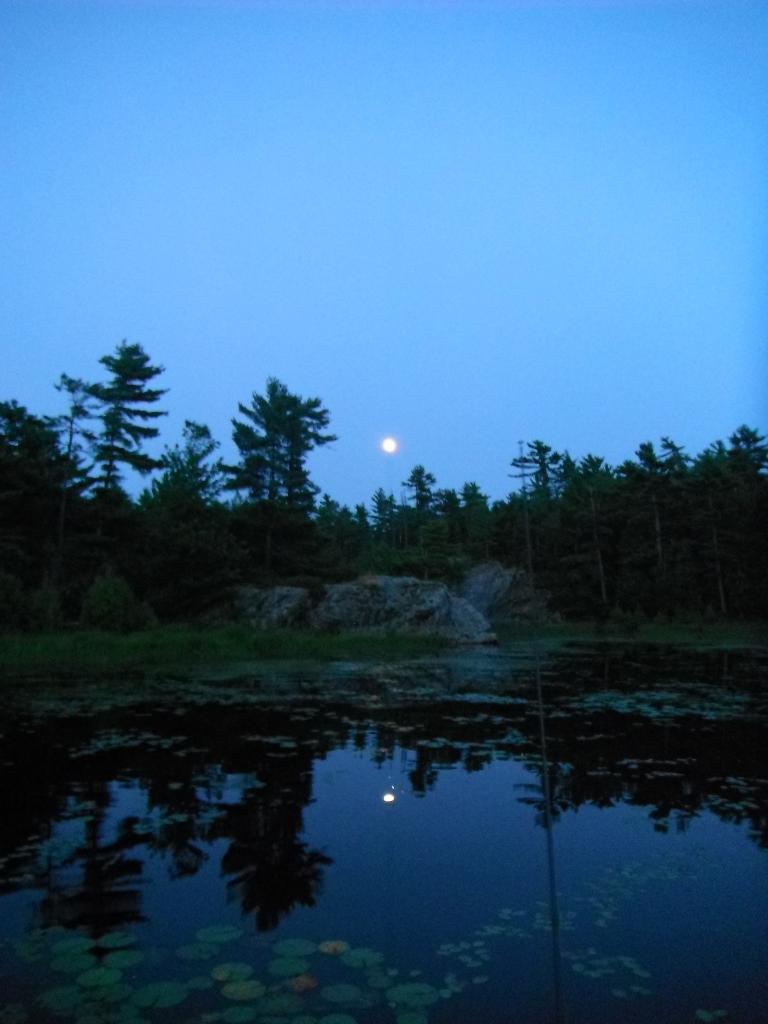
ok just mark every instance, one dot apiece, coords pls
pixel 67 653
pixel 92 651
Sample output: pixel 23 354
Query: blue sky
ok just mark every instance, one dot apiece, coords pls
pixel 462 224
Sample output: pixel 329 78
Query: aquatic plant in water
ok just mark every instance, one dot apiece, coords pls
pixel 304 983
pixel 97 976
pixel 287 967
pixel 123 958
pixel 238 1015
pixel 413 994
pixel 161 994
pixel 362 957
pixel 243 990
pixel 333 947
pixel 231 972
pixel 74 963
pixel 341 993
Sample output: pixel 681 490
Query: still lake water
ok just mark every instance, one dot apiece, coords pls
pixel 221 850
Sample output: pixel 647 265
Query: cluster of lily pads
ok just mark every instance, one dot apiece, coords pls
pixel 617 885
pixel 628 976
pixel 681 701
pixel 109 980
pixel 101 983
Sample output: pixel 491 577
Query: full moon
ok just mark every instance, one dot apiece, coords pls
pixel 389 445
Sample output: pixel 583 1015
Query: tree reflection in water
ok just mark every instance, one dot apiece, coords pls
pixel 228 779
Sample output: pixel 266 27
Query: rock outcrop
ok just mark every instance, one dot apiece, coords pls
pixel 504 595
pixel 401 604
pixel 270 607
pixel 397 604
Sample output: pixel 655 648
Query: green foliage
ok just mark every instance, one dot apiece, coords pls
pixel 105 652
pixel 124 401
pixel 14 609
pixel 279 431
pixel 31 476
pixel 75 436
pixel 45 612
pixel 664 533
pixel 188 552
pixel 111 605
pixel 190 479
pixel 420 484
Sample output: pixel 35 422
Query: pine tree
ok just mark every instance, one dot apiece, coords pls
pixel 32 471
pixel 75 438
pixel 189 477
pixel 279 432
pixel 420 484
pixel 125 414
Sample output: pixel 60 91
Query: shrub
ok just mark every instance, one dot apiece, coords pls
pixel 110 604
pixel 14 604
pixel 45 609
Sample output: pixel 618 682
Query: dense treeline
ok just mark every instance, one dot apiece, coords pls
pixel 663 533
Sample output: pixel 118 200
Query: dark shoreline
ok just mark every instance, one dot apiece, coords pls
pixel 69 653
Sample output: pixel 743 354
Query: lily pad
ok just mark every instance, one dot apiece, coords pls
pixel 281 1005
pixel 197 951
pixel 61 999
pixel 116 940
pixel 122 958
pixel 341 993
pixel 362 957
pixel 110 993
pixel 333 947
pixel 287 967
pixel 304 983
pixel 219 933
pixel 239 1014
pixel 97 976
pixel 414 994
pixel 74 963
pixel 378 979
pixel 295 948
pixel 160 994
pixel 29 952
pixel 74 944
pixel 243 990
pixel 231 972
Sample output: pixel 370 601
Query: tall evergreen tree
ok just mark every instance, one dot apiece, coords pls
pixel 191 476
pixel 125 414
pixel 420 484
pixel 279 431
pixel 476 520
pixel 32 471
pixel 189 554
pixel 383 515
pixel 76 438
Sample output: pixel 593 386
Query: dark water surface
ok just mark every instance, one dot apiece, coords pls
pixel 221 850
